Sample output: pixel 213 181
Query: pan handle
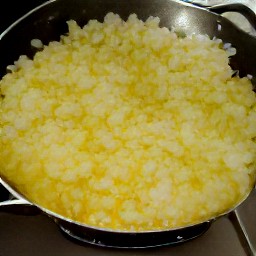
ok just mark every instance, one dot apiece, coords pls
pixel 15 203
pixel 247 8
pixel 19 206
pixel 246 11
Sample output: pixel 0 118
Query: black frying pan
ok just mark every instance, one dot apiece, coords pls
pixel 48 22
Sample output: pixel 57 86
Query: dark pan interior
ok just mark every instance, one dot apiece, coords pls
pixel 49 22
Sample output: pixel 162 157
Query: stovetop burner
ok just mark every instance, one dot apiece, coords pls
pixel 39 235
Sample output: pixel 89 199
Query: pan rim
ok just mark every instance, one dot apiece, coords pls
pixel 57 216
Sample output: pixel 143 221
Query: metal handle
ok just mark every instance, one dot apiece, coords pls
pixel 245 7
pixel 247 12
pixel 17 204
